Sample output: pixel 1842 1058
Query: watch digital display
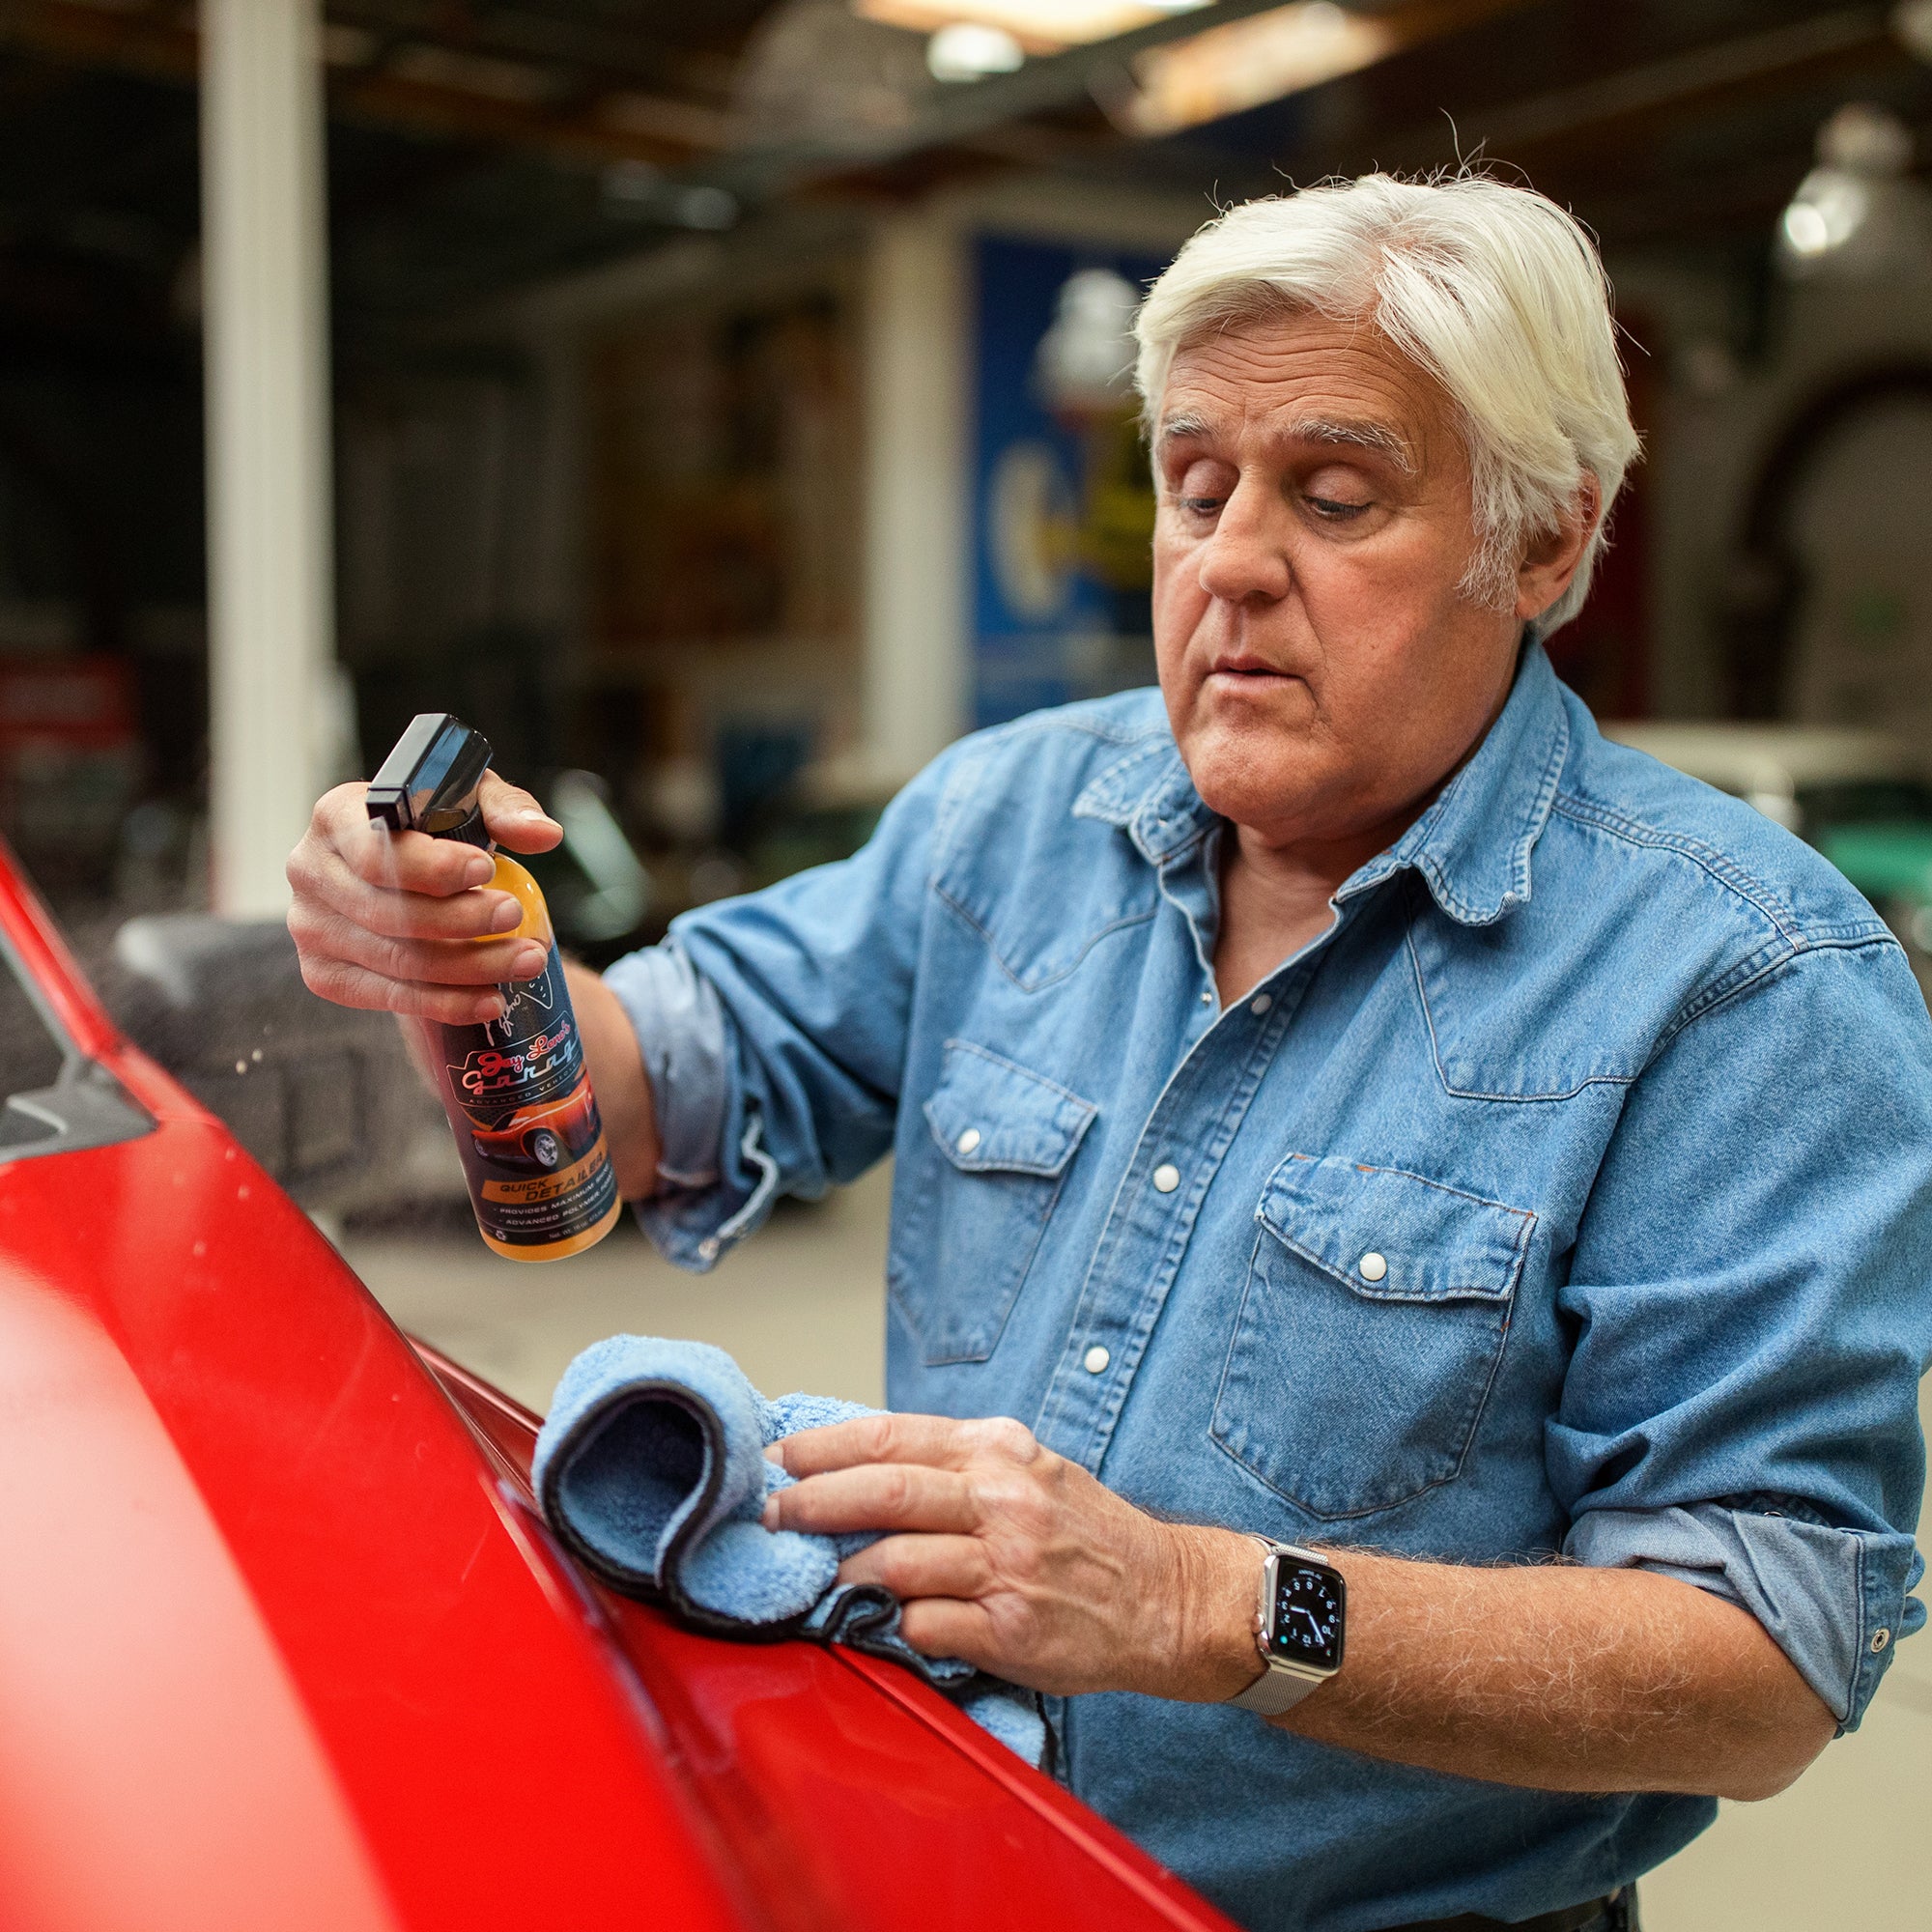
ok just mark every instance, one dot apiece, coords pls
pixel 1307 1623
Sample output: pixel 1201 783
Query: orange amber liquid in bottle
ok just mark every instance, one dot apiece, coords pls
pixel 518 1095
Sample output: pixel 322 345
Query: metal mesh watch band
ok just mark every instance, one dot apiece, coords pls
pixel 1282 1685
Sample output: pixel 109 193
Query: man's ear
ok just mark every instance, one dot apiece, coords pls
pixel 1554 555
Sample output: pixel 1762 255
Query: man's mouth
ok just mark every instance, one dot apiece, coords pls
pixel 1243 665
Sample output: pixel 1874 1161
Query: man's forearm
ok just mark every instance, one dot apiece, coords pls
pixel 1551 1675
pixel 619 1079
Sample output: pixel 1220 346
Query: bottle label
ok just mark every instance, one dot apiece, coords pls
pixel 527 1125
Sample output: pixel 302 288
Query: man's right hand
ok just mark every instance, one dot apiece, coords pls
pixel 404 923
pixel 400 921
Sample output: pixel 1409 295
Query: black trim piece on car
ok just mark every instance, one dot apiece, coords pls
pixel 85 1107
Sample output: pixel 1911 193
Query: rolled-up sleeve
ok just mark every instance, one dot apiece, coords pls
pixel 773 1029
pixel 687 1053
pixel 1750 1293
pixel 1835 1601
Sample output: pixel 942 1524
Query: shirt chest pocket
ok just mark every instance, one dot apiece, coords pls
pixel 972 1199
pixel 1369 1333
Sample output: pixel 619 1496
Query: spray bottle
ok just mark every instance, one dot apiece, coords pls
pixel 515 1089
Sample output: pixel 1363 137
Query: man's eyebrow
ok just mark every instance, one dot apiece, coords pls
pixel 1344 434
pixel 1177 428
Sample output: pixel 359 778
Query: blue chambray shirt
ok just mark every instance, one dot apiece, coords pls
pixel 1630 1092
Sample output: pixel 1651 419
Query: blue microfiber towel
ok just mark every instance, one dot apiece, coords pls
pixel 651 1470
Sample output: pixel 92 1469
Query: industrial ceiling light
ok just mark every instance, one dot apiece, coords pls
pixel 1227 70
pixel 1034 26
pixel 1912 25
pixel 970 50
pixel 1858 216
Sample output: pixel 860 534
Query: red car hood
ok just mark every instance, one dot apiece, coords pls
pixel 284 1644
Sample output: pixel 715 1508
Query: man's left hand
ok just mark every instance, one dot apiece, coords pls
pixel 1019 1561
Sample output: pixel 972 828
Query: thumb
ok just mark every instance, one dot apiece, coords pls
pixel 515 819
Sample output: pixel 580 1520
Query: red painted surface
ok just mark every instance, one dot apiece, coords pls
pixel 283 1643
pixel 912 1817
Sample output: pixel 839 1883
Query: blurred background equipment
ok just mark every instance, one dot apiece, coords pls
pixel 731 405
pixel 726 408
pixel 324 1097
pixel 1858 216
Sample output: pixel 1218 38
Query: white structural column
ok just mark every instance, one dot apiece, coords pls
pixel 265 302
pixel 916 667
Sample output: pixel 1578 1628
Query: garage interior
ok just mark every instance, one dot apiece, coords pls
pixel 703 417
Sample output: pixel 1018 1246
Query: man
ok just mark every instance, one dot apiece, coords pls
pixel 1340 1101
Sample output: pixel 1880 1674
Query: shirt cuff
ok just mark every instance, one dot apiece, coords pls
pixel 687 1047
pixel 1835 1601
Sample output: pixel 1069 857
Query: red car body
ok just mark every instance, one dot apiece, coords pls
pixel 284 1644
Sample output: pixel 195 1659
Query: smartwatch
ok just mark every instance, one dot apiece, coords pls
pixel 1298 1627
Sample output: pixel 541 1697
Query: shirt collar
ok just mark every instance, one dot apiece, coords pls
pixel 1472 847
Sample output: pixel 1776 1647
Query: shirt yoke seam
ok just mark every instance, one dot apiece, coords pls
pixel 979 926
pixel 1717 865
pixel 1798 934
pixel 1753 971
pixel 977 752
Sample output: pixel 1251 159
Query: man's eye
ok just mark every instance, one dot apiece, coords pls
pixel 1201 506
pixel 1331 509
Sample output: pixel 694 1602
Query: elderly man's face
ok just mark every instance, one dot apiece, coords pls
pixel 1321 669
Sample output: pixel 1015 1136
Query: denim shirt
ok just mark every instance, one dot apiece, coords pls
pixel 1570 1195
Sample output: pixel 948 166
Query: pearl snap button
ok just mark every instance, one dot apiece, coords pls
pixel 1879 1639
pixel 968 1140
pixel 1166 1178
pixel 1095 1360
pixel 1260 1004
pixel 707 1249
pixel 1373 1267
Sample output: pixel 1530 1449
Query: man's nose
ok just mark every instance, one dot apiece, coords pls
pixel 1246 558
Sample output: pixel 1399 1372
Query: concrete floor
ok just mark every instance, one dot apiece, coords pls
pixel 802 1307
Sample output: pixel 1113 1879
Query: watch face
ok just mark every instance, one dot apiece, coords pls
pixel 1307 1615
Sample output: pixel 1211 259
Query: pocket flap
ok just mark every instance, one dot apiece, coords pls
pixel 989 1113
pixel 1392 1235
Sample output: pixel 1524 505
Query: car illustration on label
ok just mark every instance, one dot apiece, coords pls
pixel 543 1138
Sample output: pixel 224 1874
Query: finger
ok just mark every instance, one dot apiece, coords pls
pixel 922 1566
pixel 937 1440
pixel 515 818
pixel 877 1496
pixel 412 862
pixel 404 861
pixel 320 934
pixel 955 1627
pixel 322 879
pixel 348 985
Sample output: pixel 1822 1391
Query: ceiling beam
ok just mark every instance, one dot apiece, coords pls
pixel 575 117
pixel 1672 82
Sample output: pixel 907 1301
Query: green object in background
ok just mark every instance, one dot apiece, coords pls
pixel 1885 858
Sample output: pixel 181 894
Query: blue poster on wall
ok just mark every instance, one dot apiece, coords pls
pixel 1062 505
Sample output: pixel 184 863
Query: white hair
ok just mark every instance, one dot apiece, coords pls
pixel 1492 289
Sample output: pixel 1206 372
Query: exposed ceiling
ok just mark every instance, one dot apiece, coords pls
pixel 475 146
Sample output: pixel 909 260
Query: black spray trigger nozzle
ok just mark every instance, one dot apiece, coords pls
pixel 430 781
